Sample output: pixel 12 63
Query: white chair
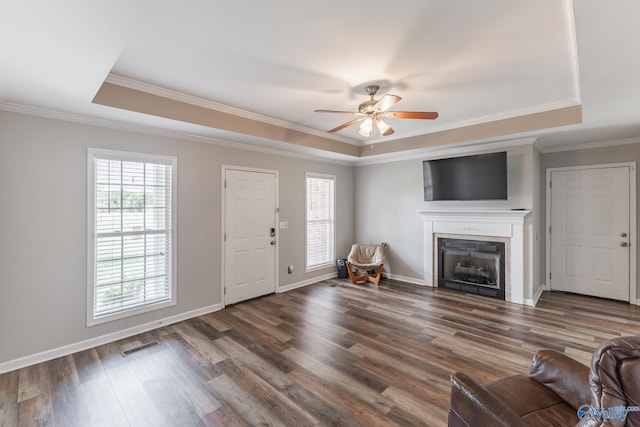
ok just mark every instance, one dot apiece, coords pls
pixel 368 258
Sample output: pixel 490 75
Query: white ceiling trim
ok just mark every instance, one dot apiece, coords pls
pixel 590 145
pixel 451 150
pixel 457 149
pixel 321 156
pixel 205 103
pixel 494 118
pixel 212 105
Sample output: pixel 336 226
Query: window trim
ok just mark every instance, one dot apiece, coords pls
pixel 331 263
pixel 98 153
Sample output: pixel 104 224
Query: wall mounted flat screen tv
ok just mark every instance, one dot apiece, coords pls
pixel 478 177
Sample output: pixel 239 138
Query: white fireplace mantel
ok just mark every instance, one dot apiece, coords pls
pixel 508 224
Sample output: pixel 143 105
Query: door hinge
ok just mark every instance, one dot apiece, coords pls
pixel 277 210
pixel 225 237
pixel 549 229
pixel 225 183
pixel 549 276
pixel 550 184
pixel 225 290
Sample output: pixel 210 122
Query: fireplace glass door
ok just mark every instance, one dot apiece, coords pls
pixel 472 266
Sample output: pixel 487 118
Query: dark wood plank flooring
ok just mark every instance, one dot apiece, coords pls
pixel 327 354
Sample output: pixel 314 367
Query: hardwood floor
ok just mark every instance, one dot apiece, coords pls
pixel 332 353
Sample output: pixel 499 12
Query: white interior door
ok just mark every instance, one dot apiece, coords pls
pixel 250 227
pixel 590 231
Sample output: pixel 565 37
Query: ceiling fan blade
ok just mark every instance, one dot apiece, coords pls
pixel 412 115
pixel 339 112
pixel 387 102
pixel 342 126
pixel 388 131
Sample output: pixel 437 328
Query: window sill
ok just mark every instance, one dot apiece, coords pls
pixel 128 313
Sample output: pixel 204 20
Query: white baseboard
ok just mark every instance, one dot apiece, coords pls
pixel 536 297
pixel 47 355
pixel 307 282
pixel 415 281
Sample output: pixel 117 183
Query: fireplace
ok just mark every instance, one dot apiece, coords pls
pixel 507 226
pixel 472 266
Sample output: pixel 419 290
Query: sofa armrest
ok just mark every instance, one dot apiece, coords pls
pixel 563 375
pixel 615 371
pixel 472 404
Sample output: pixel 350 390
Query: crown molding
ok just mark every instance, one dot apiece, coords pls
pixel 148 130
pixel 205 103
pixel 538 146
pixel 457 149
pixel 212 105
pixel 494 118
pixel 591 145
pixel 450 150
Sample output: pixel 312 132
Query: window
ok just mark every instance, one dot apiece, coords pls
pixel 320 221
pixel 131 234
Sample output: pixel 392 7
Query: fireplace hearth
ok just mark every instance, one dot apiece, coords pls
pixel 472 266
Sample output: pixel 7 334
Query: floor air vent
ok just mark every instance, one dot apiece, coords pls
pixel 139 348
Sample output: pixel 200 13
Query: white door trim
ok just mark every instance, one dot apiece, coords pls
pixel 223 215
pixel 633 257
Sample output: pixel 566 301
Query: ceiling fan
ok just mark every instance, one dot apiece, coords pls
pixel 373 113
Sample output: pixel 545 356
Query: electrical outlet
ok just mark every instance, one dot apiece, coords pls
pixel 290 269
pixel 284 225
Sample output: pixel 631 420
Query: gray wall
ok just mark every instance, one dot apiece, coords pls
pixel 43 212
pixel 43 226
pixel 595 156
pixel 389 195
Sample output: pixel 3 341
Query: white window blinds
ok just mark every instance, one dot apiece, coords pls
pixel 133 235
pixel 320 221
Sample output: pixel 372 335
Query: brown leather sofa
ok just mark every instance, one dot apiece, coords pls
pixel 559 391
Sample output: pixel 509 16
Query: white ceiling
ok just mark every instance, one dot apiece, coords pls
pixel 275 62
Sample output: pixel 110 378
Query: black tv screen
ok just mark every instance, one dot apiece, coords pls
pixel 479 177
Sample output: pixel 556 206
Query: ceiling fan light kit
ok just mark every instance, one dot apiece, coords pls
pixel 383 127
pixel 366 127
pixel 373 112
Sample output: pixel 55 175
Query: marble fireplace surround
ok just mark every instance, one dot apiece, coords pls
pixel 495 225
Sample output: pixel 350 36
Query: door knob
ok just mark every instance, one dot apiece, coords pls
pixel 623 235
pixel 624 244
pixel 273 242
